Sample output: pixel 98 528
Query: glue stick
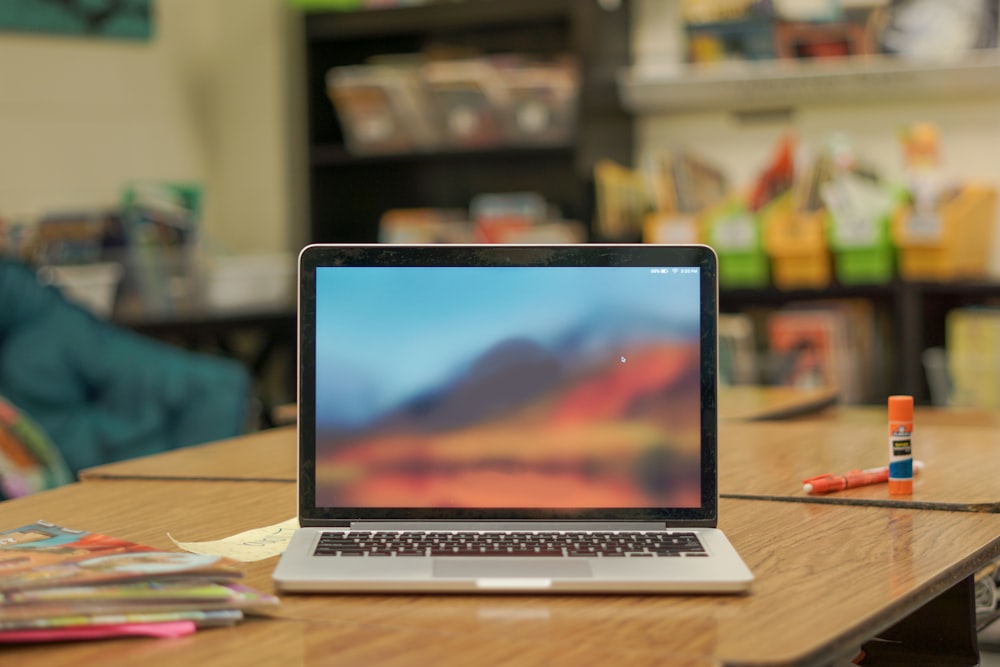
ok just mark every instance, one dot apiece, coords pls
pixel 900 445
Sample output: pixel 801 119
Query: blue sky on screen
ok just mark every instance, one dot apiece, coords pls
pixel 383 334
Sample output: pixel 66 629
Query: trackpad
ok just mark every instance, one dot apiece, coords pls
pixel 481 568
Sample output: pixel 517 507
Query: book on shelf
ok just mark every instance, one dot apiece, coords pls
pixel 55 581
pixel 737 350
pixel 972 339
pixel 160 226
pixel 825 344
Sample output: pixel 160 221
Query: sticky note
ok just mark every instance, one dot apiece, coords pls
pixel 248 546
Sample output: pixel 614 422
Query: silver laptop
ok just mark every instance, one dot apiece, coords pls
pixel 508 418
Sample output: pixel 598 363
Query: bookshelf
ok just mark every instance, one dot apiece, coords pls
pixel 890 305
pixel 661 90
pixel 910 318
pixel 757 85
pixel 348 193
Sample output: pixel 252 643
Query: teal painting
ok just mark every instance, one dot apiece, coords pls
pixel 124 19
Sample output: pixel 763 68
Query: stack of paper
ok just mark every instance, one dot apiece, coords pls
pixel 57 583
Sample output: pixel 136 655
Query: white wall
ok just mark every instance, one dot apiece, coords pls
pixel 969 129
pixel 206 99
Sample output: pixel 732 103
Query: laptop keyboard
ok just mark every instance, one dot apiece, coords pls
pixel 650 544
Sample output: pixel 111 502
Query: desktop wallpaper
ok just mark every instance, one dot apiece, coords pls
pixel 513 387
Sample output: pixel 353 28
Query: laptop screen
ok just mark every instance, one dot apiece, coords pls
pixel 473 381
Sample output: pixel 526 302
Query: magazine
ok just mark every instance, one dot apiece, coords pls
pixel 202 619
pixel 55 577
pixel 43 554
pixel 128 598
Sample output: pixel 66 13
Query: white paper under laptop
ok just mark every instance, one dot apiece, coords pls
pixel 501 418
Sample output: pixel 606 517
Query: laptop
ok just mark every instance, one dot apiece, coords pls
pixel 495 418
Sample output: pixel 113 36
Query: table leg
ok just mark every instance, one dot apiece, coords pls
pixel 941 633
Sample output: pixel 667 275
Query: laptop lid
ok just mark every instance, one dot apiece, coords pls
pixel 514 383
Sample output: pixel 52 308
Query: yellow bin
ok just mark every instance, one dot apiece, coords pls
pixel 954 243
pixel 796 243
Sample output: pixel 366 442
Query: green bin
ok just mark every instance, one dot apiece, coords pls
pixel 735 234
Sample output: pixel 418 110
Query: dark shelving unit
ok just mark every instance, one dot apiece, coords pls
pixel 911 318
pixel 349 193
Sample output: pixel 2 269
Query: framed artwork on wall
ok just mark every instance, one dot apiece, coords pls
pixel 120 19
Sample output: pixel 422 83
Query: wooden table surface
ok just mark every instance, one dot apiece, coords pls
pixel 269 456
pixel 735 402
pixel 263 456
pixel 753 402
pixel 828 578
pixel 757 459
pixel 961 453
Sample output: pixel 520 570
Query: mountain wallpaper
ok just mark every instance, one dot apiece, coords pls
pixel 520 387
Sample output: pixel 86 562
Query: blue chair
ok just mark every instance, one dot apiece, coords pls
pixel 103 393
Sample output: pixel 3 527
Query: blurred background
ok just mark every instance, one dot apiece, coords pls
pixel 164 162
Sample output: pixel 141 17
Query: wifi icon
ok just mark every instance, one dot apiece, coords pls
pixel 675 269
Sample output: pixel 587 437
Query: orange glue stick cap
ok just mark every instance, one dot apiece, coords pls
pixel 901 408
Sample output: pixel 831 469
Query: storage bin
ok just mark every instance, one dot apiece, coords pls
pixel 743 270
pixel 469 103
pixel 542 101
pixel 872 265
pixel 672 228
pixel 382 108
pixel 862 250
pixel 734 233
pixel 796 243
pixel 953 243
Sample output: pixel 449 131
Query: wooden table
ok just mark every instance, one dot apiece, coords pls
pixel 757 459
pixel 753 402
pixel 829 578
pixel 924 415
pixel 269 456
pixel 961 452
pixel 735 402
pixel 264 456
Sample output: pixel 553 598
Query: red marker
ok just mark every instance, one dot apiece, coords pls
pixel 850 479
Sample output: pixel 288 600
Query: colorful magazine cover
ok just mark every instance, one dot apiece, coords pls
pixel 44 555
pixel 131 598
pixel 62 584
pixel 203 619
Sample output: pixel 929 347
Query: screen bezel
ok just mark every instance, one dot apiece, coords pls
pixel 315 256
